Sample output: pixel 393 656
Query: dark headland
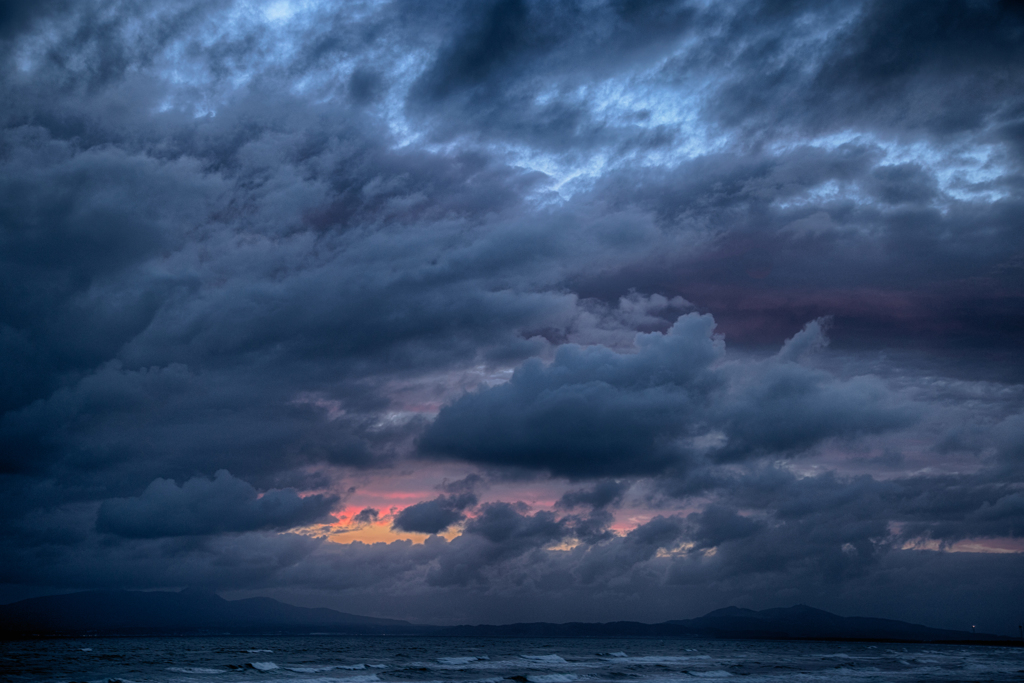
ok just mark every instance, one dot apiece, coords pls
pixel 197 612
pixel 187 612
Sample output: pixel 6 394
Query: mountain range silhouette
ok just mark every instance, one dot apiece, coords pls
pixel 194 611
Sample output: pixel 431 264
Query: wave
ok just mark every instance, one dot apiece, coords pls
pixel 546 659
pixel 196 670
pixel 331 667
pixel 552 678
pixel 455 661
pixel 665 659
pixel 349 679
pixel 715 673
pixel 262 666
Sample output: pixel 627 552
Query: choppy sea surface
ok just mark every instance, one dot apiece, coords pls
pixel 337 659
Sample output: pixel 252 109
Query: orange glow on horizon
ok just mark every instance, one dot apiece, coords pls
pixel 971 545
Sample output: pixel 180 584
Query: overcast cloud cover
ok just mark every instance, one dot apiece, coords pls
pixel 495 311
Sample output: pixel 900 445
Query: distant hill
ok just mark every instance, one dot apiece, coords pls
pixel 800 622
pixel 188 611
pixel 195 611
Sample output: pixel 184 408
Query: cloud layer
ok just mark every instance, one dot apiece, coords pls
pixel 202 507
pixel 645 298
pixel 594 412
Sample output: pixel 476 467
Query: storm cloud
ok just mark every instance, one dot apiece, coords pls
pixel 433 516
pixel 625 299
pixel 595 412
pixel 201 506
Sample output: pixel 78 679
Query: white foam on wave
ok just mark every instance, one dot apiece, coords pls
pixel 617 654
pixel 329 667
pixel 195 670
pixel 255 651
pixel 546 659
pixel 371 678
pixel 552 678
pixel 666 659
pixel 325 679
pixel 86 649
pixel 263 666
pixel 377 666
pixel 455 661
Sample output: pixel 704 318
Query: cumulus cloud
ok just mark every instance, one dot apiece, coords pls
pixel 603 494
pixel 595 412
pixel 500 535
pixel 592 412
pixel 203 506
pixel 434 516
pixel 366 516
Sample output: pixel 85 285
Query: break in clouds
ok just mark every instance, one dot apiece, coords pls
pixel 498 311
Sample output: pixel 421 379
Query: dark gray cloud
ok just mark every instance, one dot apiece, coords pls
pixel 202 506
pixel 500 535
pixel 591 412
pixel 366 516
pixel 603 494
pixel 434 516
pixel 595 412
pixel 279 241
pixel 716 525
pixel 626 557
pixel 805 538
pixel 901 585
pixel 468 484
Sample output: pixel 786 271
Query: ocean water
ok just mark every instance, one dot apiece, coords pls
pixel 338 659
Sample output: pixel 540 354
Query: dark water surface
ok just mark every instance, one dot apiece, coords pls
pixel 337 659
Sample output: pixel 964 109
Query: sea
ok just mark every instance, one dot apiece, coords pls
pixel 399 659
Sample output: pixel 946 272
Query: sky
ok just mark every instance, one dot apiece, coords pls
pixel 497 311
